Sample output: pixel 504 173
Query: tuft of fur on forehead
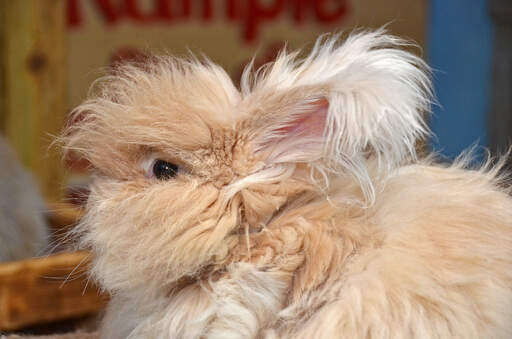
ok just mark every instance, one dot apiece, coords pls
pixel 168 104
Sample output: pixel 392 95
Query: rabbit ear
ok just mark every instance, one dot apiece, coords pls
pixel 362 97
pixel 298 136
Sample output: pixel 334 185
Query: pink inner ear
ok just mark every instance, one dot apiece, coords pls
pixel 300 137
pixel 308 124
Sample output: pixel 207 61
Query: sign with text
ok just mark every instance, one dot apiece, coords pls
pixel 229 32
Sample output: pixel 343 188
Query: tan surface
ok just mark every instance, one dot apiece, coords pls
pixel 44 290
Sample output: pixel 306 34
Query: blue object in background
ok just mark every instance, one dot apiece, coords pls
pixel 460 47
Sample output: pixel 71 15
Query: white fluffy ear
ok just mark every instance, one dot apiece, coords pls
pixel 361 98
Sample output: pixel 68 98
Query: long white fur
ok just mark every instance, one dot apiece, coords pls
pixel 228 309
pixel 377 94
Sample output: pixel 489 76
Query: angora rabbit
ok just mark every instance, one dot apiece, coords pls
pixel 23 229
pixel 293 207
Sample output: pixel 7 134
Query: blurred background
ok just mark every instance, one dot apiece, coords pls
pixel 52 50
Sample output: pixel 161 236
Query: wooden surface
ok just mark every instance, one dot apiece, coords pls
pixel 33 85
pixel 43 290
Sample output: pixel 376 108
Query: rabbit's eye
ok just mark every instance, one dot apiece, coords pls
pixel 164 170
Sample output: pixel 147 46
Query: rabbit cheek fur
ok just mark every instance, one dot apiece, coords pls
pixel 299 210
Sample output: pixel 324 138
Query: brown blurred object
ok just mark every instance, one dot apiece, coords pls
pixel 44 290
pixel 33 85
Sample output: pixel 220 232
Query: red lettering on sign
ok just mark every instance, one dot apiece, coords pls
pixel 300 7
pixel 251 15
pixel 258 13
pixel 163 10
pixel 133 11
pixel 74 11
pixel 109 12
pixel 186 8
pixel 233 9
pixel 207 10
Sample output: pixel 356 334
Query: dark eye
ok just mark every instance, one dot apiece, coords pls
pixel 164 170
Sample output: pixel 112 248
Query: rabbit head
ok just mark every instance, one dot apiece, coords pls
pixel 186 163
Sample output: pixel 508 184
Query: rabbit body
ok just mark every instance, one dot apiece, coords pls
pixel 296 206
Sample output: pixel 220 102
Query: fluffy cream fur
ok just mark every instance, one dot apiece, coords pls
pixel 300 209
